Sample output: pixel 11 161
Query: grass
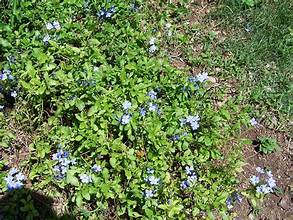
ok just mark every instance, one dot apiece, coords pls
pixel 261 41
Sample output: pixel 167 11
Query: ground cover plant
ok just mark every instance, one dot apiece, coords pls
pixel 115 130
pixel 260 38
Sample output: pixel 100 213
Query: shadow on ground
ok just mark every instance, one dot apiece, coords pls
pixel 24 204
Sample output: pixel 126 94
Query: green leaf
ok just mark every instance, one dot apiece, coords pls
pixel 93 110
pixel 113 162
pixel 86 194
pixel 71 179
pixel 5 43
pixel 78 200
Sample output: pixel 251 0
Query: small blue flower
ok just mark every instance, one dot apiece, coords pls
pixel 134 6
pixel 254 180
pixel 14 179
pixel 104 14
pixel 97 168
pixel 153 107
pixel 193 121
pixel 46 39
pixel 269 173
pixel 3 76
pixel 202 77
pixel 229 203
pixel 260 170
pixel 49 26
pixel 153 180
pixel 237 197
pixel 192 178
pixel 185 184
pixel 182 121
pixel 271 182
pixel 152 94
pixel 1 107
pixel 56 25
pixel 150 171
pixel 142 111
pixel 189 170
pixel 152 48
pixel 13 94
pixel 264 189
pixel 19 177
pixel 149 193
pixel 7 71
pixel 125 119
pixel 253 122
pixel 84 178
pixel 175 138
pixel 126 105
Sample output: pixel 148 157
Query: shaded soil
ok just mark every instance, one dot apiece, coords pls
pixel 275 206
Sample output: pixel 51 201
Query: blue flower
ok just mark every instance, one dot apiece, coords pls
pixel 229 203
pixel 192 178
pixel 125 119
pixel 149 193
pixel 13 94
pixel 97 168
pixel 14 179
pixel 152 48
pixel 56 25
pixel 153 180
pixel 49 26
pixel 202 77
pixel 7 71
pixel 3 76
pixel 152 94
pixel 150 171
pixel 264 189
pixel 46 39
pixel 62 157
pixel 153 107
pixel 269 173
pixel 142 111
pixel 271 182
pixel 103 13
pixel 134 6
pixel 19 177
pixel 175 138
pixel 84 178
pixel 237 197
pixel 193 121
pixel 260 170
pixel 1 107
pixel 126 105
pixel 189 170
pixel 253 122
pixel 185 184
pixel 254 180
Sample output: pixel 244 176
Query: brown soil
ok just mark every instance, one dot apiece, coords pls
pixel 275 206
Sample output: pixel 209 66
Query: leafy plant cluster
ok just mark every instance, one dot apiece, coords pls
pixel 121 128
pixel 268 145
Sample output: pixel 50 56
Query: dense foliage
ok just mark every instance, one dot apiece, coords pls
pixel 117 127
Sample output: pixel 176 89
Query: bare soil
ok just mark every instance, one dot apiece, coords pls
pixel 275 206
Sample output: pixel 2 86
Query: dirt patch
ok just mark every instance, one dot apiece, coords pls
pixel 275 206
